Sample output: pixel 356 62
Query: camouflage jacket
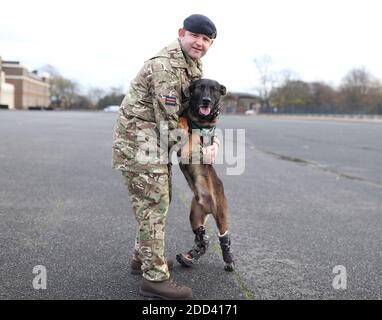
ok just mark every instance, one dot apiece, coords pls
pixel 158 94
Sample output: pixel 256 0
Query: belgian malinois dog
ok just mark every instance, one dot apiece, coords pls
pixel 199 122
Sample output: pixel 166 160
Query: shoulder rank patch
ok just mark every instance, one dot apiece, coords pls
pixel 170 101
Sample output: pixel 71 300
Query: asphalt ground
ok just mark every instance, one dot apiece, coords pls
pixel 308 200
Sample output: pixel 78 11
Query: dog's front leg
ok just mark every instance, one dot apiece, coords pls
pixel 187 146
pixel 200 247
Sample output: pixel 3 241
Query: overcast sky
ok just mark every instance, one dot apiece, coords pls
pixel 104 43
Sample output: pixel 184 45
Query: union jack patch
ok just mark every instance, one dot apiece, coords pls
pixel 170 101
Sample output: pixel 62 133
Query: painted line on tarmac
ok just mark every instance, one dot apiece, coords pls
pixel 248 294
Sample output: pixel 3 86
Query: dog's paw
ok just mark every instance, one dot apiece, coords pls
pixel 229 267
pixel 185 260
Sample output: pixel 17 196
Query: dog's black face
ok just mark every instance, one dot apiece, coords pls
pixel 204 99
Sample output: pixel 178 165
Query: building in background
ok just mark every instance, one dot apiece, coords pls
pixel 30 90
pixel 242 103
pixel 7 92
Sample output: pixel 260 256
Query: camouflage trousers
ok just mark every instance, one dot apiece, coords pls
pixel 150 195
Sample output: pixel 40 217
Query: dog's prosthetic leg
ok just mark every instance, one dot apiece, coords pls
pixel 200 247
pixel 225 245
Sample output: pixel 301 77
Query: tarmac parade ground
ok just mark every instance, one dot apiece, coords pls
pixel 305 213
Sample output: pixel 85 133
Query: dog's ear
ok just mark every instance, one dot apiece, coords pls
pixel 223 90
pixel 191 88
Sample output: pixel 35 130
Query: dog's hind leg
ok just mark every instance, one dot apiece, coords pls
pixel 223 235
pixel 198 219
pixel 225 245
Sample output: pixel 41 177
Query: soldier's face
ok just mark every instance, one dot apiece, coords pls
pixel 195 44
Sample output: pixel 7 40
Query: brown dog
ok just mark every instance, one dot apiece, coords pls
pixel 199 123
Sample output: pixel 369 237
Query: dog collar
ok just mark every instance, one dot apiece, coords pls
pixel 203 132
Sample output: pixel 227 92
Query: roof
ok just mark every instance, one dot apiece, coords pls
pixel 241 95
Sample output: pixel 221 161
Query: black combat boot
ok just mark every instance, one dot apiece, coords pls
pixel 225 245
pixel 200 248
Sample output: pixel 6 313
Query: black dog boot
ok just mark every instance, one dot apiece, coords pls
pixel 200 248
pixel 225 245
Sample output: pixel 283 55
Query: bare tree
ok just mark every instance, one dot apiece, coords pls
pixel 359 77
pixel 355 91
pixel 94 95
pixel 267 80
pixel 63 92
pixel 284 76
pixel 49 69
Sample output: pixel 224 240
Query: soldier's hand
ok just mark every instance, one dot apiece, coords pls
pixel 210 153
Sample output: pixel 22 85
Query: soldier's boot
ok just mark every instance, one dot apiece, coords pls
pixel 225 245
pixel 136 264
pixel 200 247
pixel 167 289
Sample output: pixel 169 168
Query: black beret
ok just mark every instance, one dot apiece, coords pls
pixel 198 23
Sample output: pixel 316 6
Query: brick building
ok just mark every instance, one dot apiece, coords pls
pixel 30 90
pixel 7 92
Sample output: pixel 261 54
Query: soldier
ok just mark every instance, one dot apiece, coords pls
pixel 156 98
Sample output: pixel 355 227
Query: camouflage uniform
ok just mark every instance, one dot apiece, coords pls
pixel 158 94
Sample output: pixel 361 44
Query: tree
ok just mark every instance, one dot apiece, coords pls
pixel 292 97
pixel 110 99
pixel 266 81
pixel 323 98
pixel 358 92
pixel 284 76
pixel 63 92
pixel 374 99
pixel 50 70
pixel 94 95
pixel 81 101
